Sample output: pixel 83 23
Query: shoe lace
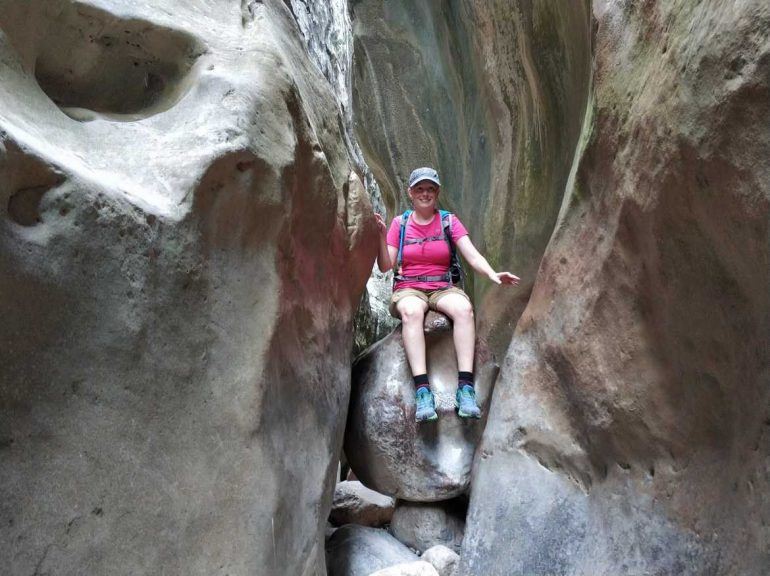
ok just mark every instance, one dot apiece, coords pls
pixel 467 396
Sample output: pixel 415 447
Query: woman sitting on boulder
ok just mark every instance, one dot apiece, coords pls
pixel 421 261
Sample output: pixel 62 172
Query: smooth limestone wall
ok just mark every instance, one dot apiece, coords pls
pixel 629 427
pixel 182 249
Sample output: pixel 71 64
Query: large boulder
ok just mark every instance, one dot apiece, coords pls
pixel 182 251
pixel 359 550
pixel 630 428
pixel 422 525
pixel 390 452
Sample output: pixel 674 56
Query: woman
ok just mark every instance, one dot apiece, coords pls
pixel 423 284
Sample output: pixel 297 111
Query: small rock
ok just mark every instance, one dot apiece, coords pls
pixel 354 503
pixel 424 525
pixel 444 560
pixel 359 550
pixel 418 568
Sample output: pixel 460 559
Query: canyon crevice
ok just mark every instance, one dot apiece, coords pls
pixel 186 235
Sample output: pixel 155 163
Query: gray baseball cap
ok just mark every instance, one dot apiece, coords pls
pixel 424 173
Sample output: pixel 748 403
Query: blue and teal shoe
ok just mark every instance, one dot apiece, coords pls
pixel 466 402
pixel 426 405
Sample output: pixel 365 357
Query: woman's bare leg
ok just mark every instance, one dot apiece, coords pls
pixel 412 311
pixel 459 309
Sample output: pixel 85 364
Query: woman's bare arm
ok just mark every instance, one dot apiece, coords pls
pixel 474 258
pixel 386 256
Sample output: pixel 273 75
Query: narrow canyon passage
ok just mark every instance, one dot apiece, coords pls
pixel 187 234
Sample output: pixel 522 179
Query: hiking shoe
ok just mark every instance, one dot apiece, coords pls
pixel 426 405
pixel 466 403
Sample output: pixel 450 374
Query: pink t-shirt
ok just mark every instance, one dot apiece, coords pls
pixel 428 258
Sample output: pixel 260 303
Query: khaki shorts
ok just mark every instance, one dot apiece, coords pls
pixel 430 297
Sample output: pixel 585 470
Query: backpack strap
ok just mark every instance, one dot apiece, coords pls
pixel 446 225
pixel 446 229
pixel 455 264
pixel 446 234
pixel 402 235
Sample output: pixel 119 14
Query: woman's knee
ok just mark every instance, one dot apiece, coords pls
pixel 463 311
pixel 412 313
pixel 458 308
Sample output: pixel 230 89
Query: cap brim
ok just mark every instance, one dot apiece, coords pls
pixel 429 179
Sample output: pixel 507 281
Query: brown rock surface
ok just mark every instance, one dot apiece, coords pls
pixel 630 432
pixel 181 256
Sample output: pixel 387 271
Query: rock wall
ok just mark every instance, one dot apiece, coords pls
pixel 492 93
pixel 327 31
pixel 630 428
pixel 183 248
pixel 182 252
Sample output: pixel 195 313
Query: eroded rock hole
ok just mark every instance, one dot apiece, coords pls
pixel 27 180
pixel 92 61
pixel 24 205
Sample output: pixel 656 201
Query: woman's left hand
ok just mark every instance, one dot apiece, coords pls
pixel 504 278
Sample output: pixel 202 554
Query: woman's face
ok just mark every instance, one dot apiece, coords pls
pixel 424 195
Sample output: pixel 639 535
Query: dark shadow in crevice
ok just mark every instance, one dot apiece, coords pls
pixel 92 63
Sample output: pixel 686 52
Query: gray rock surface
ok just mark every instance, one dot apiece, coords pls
pixel 182 252
pixel 630 428
pixel 444 560
pixel 418 568
pixel 328 35
pixel 424 525
pixel 359 551
pixel 373 321
pixel 386 448
pixel 354 503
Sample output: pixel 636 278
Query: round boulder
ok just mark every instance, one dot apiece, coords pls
pixel 422 526
pixel 444 560
pixel 359 551
pixel 386 448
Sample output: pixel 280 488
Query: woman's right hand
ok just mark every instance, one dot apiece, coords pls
pixel 381 224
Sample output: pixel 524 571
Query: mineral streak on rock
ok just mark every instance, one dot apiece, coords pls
pixel 179 276
pixel 628 433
